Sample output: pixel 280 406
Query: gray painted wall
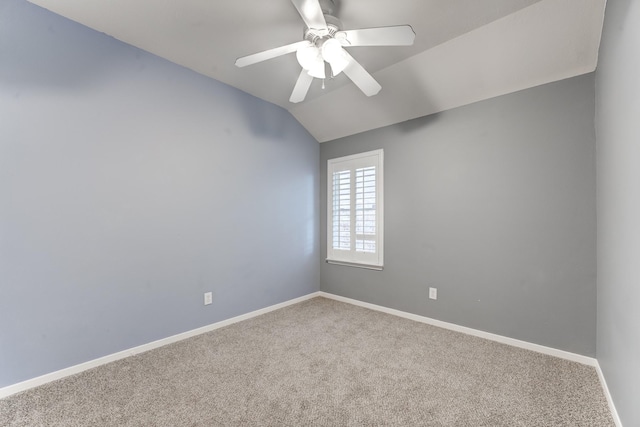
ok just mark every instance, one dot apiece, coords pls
pixel 618 135
pixel 495 205
pixel 128 187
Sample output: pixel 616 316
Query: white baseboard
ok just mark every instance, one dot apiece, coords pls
pixel 72 370
pixel 585 360
pixel 590 361
pixel 605 388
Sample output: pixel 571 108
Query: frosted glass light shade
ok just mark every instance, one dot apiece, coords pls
pixel 310 59
pixel 334 54
pixel 317 70
pixel 307 56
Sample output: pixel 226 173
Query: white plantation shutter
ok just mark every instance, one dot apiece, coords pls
pixel 341 210
pixel 365 234
pixel 355 222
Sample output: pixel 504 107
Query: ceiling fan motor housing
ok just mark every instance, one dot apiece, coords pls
pixel 316 37
pixel 330 11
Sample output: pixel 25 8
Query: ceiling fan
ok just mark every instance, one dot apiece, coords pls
pixel 324 42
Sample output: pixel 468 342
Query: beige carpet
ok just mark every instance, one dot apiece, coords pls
pixel 322 362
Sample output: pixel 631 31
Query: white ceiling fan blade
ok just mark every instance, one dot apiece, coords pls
pixel 312 15
pixel 271 53
pixel 301 88
pixel 399 35
pixel 361 77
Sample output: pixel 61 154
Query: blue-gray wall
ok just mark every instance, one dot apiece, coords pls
pixel 495 205
pixel 129 186
pixel 618 135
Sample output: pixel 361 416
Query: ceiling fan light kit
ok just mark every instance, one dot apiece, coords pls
pixel 311 60
pixel 334 54
pixel 324 43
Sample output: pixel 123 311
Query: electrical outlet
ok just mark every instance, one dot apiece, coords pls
pixel 208 298
pixel 433 293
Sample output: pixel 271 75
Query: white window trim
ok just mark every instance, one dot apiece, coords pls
pixel 351 257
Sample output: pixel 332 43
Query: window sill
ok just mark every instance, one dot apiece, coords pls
pixel 354 264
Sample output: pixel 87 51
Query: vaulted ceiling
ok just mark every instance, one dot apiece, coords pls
pixel 465 50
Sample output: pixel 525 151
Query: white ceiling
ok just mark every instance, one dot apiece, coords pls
pixel 465 50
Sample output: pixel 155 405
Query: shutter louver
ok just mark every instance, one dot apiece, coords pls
pixel 342 210
pixel 366 209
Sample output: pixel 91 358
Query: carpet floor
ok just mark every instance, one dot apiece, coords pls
pixel 322 362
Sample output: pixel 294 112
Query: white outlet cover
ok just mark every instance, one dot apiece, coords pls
pixel 433 293
pixel 208 298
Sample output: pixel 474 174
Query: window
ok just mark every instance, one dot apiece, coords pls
pixel 354 217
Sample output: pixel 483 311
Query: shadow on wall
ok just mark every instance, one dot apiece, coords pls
pixel 420 97
pixel 415 125
pixel 38 53
pixel 263 119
